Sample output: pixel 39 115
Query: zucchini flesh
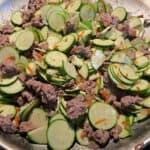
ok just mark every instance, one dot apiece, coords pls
pixel 70 69
pixel 17 18
pixel 145 102
pixel 135 22
pixel 38 118
pixel 25 40
pixel 7 53
pixel 82 140
pixel 6 110
pixel 74 5
pixel 13 88
pixel 8 81
pixel 38 135
pixel 66 44
pixel 84 71
pixel 55 59
pixel 102 116
pixel 56 21
pixel 60 135
pixel 87 12
pixel 120 12
pixel 103 43
pixel 141 61
pixel 57 117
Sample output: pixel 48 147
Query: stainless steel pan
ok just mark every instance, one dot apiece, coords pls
pixel 141 131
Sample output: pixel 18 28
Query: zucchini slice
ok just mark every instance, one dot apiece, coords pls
pixel 55 59
pixel 13 88
pixel 76 61
pixel 70 70
pixel 57 117
pixel 102 43
pixel 102 116
pixel 66 44
pixel 52 41
pixel 31 68
pixel 54 135
pixel 125 125
pixel 129 72
pixel 87 12
pixel 145 102
pixel 74 5
pixel 17 18
pixel 56 21
pixel 38 135
pixel 7 53
pixel 6 110
pixel 38 118
pixel 141 62
pixel 58 80
pixel 120 12
pixel 84 72
pixel 25 40
pixel 135 22
pixel 8 81
pixel 82 138
pixel 121 57
pixel 140 86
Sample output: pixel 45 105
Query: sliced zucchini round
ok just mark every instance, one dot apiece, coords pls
pixel 55 59
pixel 57 117
pixel 56 21
pixel 17 18
pixel 129 72
pixel 81 138
pixel 13 37
pixel 38 135
pixel 25 40
pixel 31 68
pixel 83 71
pixel 6 110
pixel 141 61
pixel 74 5
pixel 8 81
pixel 87 12
pixel 102 116
pixel 58 80
pixel 54 135
pixel 140 86
pixel 145 102
pixel 70 70
pixel 103 43
pixel 120 12
pixel 66 44
pixel 135 22
pixel 52 41
pixel 8 53
pixel 38 118
pixel 13 88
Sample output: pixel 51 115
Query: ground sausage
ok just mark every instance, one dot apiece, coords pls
pixel 88 130
pixel 46 92
pixel 26 126
pixel 6 124
pixel 4 41
pixel 6 29
pixel 37 21
pixel 8 69
pixel 84 52
pixel 76 107
pixel 101 137
pixel 114 133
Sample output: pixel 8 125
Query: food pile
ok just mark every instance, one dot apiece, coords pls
pixel 73 71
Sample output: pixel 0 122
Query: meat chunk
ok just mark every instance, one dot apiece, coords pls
pixel 25 96
pixel 6 29
pixel 88 130
pixel 37 21
pixel 127 101
pixel 8 69
pixel 76 107
pixel 26 126
pixel 114 133
pixel 46 92
pixel 70 27
pixel 36 4
pixel 107 19
pixel 6 124
pixel 84 52
pixel 126 30
pixel 88 87
pixel 4 41
pixel 101 137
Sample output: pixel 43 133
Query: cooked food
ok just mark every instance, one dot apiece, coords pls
pixel 73 71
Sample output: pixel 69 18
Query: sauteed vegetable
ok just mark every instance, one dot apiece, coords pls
pixel 73 71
